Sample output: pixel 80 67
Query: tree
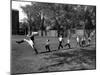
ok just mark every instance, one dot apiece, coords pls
pixel 59 16
pixel 37 12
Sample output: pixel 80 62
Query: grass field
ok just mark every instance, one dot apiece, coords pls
pixel 24 59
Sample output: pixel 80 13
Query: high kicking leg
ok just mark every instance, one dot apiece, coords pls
pixel 21 41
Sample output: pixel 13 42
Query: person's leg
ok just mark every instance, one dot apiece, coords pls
pixel 83 43
pixel 68 45
pixel 48 48
pixel 21 41
pixel 35 50
pixel 77 43
pixel 30 42
pixel 59 46
pixel 80 43
pixel 89 41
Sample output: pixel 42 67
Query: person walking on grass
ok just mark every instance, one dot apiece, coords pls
pixel 47 46
pixel 83 41
pixel 30 41
pixel 68 43
pixel 78 41
pixel 60 39
pixel 88 41
pixel 90 37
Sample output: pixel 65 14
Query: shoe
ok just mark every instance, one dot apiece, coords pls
pixel 17 42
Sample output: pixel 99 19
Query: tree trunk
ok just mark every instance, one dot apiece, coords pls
pixel 41 32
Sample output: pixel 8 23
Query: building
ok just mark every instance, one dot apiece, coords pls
pixel 15 22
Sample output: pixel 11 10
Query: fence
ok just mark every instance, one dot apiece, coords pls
pixel 50 33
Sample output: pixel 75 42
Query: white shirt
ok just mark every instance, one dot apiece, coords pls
pixel 60 38
pixel 77 39
pixel 47 42
pixel 68 41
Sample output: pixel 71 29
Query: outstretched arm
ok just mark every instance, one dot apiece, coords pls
pixel 30 35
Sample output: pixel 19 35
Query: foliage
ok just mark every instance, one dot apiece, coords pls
pixel 60 16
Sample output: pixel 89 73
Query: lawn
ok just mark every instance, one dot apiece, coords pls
pixel 24 59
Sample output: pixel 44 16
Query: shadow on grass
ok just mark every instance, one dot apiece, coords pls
pixel 78 60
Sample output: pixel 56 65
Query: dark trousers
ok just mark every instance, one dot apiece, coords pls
pixel 68 44
pixel 83 43
pixel 89 40
pixel 35 50
pixel 79 43
pixel 20 41
pixel 47 47
pixel 60 45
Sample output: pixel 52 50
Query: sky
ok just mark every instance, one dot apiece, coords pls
pixel 17 6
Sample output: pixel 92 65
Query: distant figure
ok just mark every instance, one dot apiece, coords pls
pixel 83 41
pixel 78 41
pixel 89 40
pixel 47 46
pixel 30 41
pixel 60 39
pixel 68 43
pixel 92 33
